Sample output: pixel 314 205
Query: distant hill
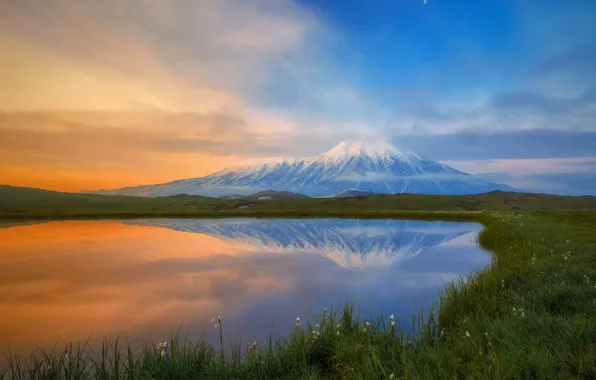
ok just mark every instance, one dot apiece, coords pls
pixel 353 193
pixel 25 201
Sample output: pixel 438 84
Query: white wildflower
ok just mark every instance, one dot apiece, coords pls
pixel 163 346
pixel 217 322
pixel 468 335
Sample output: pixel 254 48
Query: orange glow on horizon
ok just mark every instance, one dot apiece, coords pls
pixel 50 176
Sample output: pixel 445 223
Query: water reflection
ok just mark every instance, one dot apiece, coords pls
pixel 350 243
pixel 142 278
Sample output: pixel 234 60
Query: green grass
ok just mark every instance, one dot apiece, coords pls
pixel 531 315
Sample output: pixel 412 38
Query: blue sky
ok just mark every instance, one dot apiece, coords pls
pixel 472 81
pixel 178 89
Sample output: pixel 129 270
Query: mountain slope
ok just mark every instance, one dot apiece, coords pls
pixel 366 165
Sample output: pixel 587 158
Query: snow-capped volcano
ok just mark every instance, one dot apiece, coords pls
pixel 364 164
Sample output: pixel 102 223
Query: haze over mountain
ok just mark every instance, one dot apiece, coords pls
pixel 351 243
pixel 372 165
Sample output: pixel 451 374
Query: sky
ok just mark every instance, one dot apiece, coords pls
pixel 129 92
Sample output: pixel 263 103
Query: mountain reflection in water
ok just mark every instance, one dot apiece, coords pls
pixel 350 243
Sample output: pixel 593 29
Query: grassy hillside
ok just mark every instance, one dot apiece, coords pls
pixel 28 202
pixel 25 200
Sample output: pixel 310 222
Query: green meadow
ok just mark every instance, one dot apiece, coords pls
pixel 22 202
pixel 531 315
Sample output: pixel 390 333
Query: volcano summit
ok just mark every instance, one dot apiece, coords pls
pixel 364 164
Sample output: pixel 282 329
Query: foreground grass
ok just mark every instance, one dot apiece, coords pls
pixel 531 315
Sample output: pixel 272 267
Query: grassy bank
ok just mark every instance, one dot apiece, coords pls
pixel 532 315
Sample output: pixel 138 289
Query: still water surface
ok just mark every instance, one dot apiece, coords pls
pixel 74 280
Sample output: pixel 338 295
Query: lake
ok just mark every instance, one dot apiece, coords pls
pixel 144 278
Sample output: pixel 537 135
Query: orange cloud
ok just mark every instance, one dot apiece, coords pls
pixel 67 156
pixel 197 55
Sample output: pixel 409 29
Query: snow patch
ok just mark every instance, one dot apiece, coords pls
pixel 366 147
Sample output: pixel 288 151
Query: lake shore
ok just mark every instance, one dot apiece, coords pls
pixel 529 315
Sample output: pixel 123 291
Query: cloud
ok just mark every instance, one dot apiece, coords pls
pixel 529 166
pixel 373 177
pixel 543 80
pixel 573 176
pixel 501 145
pixel 548 105
pixel 118 135
pixel 171 50
pixel 579 62
pixel 178 56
